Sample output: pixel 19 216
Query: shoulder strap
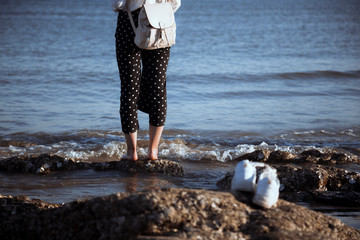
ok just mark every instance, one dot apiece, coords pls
pixel 131 21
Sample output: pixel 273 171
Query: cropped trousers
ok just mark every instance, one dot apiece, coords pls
pixel 142 77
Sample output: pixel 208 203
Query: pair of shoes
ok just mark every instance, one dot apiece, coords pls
pixel 267 187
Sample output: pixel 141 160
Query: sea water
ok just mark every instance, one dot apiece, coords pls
pixel 243 75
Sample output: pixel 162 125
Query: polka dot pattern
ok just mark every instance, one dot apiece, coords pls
pixel 142 76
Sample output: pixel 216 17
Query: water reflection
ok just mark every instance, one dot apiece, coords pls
pixel 137 182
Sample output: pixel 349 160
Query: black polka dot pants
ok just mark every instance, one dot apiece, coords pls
pixel 142 76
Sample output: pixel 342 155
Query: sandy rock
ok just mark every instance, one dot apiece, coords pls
pixel 297 223
pixel 166 214
pixel 44 164
pixel 14 211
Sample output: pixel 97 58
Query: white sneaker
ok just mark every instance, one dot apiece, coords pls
pixel 267 189
pixel 244 178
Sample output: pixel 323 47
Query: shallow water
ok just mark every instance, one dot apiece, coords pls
pixel 244 75
pixel 62 187
pixel 67 186
pixel 348 215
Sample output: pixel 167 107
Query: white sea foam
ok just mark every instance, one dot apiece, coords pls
pixel 179 150
pixel 15 149
pixel 349 132
pixel 75 154
pixel 94 147
pixel 284 148
pixel 114 149
pixel 175 149
pixel 244 148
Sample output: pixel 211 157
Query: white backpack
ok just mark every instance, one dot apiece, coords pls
pixel 156 25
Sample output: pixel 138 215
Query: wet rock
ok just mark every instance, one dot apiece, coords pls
pixel 299 196
pixel 311 179
pixel 44 164
pixel 302 178
pixel 163 166
pixel 256 156
pixel 280 157
pixel 167 214
pixel 308 178
pixel 225 182
pixel 350 199
pixel 327 157
pixel 324 157
pixel 342 180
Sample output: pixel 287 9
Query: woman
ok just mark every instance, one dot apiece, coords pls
pixel 143 81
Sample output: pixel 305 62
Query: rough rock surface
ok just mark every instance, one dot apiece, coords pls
pixel 324 157
pixel 315 181
pixel 169 213
pixel 310 178
pixel 45 164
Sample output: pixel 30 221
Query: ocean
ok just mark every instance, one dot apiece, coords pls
pixel 243 75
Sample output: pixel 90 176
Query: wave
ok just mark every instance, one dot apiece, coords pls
pixel 177 149
pixel 318 74
pixel 200 78
pixel 180 145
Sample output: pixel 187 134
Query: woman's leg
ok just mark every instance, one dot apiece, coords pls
pixel 154 140
pixel 131 143
pixel 153 77
pixel 129 63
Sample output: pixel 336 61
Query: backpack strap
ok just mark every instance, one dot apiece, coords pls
pixel 132 21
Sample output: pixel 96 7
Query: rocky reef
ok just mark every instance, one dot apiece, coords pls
pixel 310 176
pixel 166 214
pixel 44 164
pixel 187 213
pixel 311 156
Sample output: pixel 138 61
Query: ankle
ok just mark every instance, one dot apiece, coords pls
pixel 131 151
pixel 130 155
pixel 153 153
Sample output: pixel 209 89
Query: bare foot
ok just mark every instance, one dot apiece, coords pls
pixel 152 154
pixel 132 157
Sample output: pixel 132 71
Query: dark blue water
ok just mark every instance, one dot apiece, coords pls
pixel 244 75
pixel 252 66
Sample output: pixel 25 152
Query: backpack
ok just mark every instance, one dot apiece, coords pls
pixel 156 26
